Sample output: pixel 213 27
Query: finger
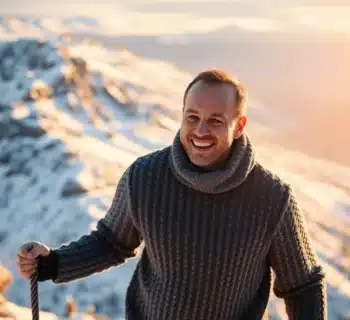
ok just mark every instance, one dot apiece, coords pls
pixel 21 265
pixel 28 266
pixel 26 275
pixel 26 258
pixel 22 254
pixel 22 260
pixel 27 269
pixel 27 255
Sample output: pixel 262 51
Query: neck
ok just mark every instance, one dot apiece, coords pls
pixel 225 175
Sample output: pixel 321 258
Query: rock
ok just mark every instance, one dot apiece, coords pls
pixel 28 127
pixel 47 143
pixel 3 235
pixel 33 62
pixel 30 65
pixel 5 312
pixel 72 187
pixel 122 97
pixel 83 182
pixel 8 128
pixel 4 106
pixel 5 279
pixel 5 157
pixel 40 90
pixel 7 63
pixel 17 169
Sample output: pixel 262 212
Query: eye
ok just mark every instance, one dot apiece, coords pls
pixel 192 118
pixel 216 122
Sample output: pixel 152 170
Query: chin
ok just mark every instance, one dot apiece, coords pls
pixel 202 163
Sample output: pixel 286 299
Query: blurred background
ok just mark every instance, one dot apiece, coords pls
pixel 87 88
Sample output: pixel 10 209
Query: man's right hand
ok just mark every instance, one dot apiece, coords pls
pixel 26 259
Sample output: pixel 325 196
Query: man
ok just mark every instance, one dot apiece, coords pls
pixel 214 223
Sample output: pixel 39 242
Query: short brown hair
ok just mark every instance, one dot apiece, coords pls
pixel 214 76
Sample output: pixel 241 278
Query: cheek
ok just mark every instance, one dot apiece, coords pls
pixel 220 132
pixel 225 137
pixel 184 129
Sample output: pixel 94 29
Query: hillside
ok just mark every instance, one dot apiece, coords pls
pixel 68 133
pixel 74 114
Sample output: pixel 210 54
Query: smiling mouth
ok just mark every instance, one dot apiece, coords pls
pixel 201 144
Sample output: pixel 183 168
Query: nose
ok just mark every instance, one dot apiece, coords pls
pixel 201 129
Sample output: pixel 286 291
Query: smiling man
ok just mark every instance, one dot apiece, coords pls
pixel 215 223
pixel 213 118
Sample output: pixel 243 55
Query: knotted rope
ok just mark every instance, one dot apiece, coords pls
pixel 34 297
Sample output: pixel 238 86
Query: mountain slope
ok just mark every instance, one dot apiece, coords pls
pixel 67 135
pixel 74 115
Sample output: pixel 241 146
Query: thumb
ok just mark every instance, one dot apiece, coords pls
pixel 41 250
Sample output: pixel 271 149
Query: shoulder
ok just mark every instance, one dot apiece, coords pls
pixel 273 193
pixel 152 159
pixel 270 179
pixel 148 163
pixel 270 184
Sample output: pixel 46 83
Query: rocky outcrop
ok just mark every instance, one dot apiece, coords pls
pixel 58 165
pixel 5 282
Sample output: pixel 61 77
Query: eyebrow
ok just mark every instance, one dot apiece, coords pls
pixel 218 115
pixel 191 110
pixel 212 115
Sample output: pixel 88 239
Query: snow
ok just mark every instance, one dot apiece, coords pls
pixel 63 154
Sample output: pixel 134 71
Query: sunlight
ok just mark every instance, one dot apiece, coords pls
pixel 329 19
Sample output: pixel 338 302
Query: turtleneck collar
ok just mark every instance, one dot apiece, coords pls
pixel 236 170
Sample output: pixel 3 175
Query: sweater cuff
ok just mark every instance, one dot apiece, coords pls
pixel 311 304
pixel 48 266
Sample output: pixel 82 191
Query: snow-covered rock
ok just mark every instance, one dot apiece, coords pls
pixel 60 162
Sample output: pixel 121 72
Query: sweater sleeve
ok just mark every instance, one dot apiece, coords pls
pixel 299 280
pixel 115 239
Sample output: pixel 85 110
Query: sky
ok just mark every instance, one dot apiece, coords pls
pixel 178 17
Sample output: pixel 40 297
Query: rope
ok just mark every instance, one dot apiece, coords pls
pixel 34 296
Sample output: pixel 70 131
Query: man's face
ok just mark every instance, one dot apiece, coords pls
pixel 210 123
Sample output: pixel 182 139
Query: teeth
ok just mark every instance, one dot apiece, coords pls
pixel 201 144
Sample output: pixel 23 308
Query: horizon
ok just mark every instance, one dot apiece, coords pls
pixel 304 17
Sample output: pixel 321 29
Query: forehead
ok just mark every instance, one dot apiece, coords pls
pixel 215 94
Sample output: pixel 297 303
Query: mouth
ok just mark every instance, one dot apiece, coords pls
pixel 202 145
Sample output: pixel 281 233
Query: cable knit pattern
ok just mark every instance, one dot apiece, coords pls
pixel 211 241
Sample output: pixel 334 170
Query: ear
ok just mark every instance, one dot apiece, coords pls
pixel 240 126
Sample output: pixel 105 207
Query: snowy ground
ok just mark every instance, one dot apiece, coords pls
pixel 67 132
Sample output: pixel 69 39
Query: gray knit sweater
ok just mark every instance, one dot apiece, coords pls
pixel 211 240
